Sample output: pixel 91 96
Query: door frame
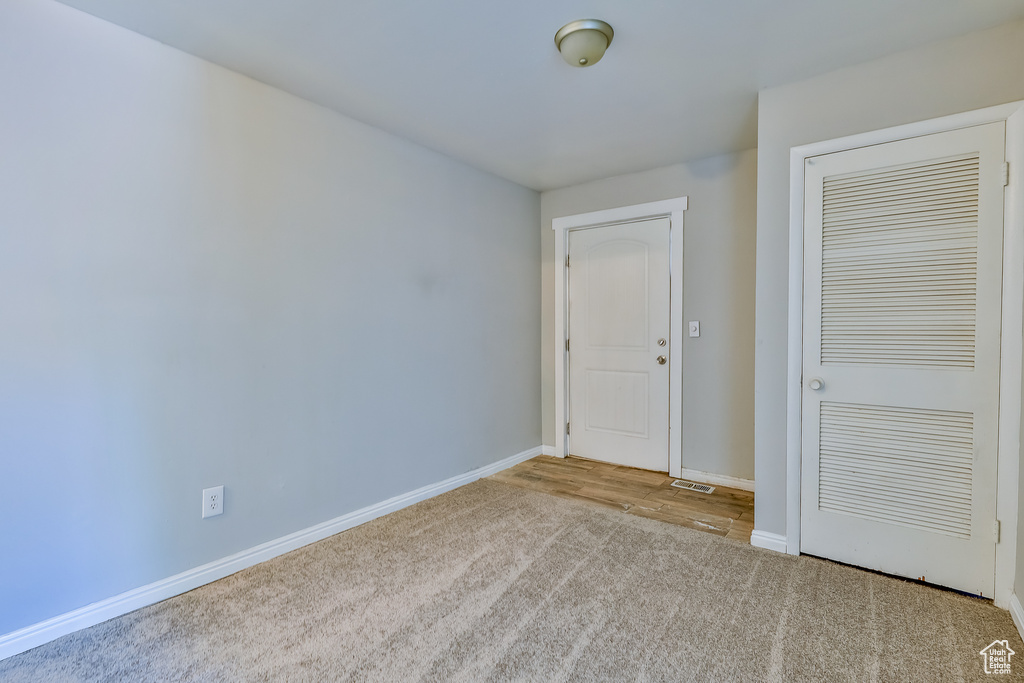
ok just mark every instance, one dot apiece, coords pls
pixel 1011 329
pixel 673 210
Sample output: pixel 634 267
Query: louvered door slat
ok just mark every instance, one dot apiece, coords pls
pixel 886 464
pixel 865 491
pixel 946 177
pixel 885 176
pixel 923 202
pixel 868 262
pixel 877 224
pixel 882 222
pixel 874 473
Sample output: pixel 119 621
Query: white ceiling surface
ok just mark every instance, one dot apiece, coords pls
pixel 482 81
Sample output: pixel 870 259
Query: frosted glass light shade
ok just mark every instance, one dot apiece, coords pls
pixel 583 48
pixel 582 43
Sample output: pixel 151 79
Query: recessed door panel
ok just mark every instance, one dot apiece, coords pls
pixel 616 402
pixel 617 300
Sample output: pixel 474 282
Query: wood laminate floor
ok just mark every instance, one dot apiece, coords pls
pixel 726 511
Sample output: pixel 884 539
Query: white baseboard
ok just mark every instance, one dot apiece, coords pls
pixel 549 450
pixel 768 541
pixel 716 479
pixel 1017 612
pixel 90 615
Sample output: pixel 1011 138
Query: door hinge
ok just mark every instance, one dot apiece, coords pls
pixel 566 427
pixel 566 344
pixel 1006 173
pixel 566 261
pixel 997 528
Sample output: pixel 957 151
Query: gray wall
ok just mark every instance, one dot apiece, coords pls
pixel 718 290
pixel 207 281
pixel 970 72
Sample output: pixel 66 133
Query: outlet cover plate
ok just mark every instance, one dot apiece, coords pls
pixel 213 501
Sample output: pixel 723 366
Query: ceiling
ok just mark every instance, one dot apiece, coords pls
pixel 482 81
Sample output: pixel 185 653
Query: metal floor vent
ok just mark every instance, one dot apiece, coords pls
pixel 692 486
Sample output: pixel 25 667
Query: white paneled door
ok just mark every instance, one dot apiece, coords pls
pixel 619 343
pixel 902 282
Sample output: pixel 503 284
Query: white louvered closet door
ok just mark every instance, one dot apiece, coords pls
pixel 902 281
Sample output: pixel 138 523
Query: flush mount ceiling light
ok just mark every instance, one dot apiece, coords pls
pixel 583 42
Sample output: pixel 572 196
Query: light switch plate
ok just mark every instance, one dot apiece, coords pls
pixel 694 328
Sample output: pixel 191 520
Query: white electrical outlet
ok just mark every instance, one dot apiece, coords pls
pixel 213 502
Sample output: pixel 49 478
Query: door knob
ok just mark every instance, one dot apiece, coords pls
pixel 661 360
pixel 816 384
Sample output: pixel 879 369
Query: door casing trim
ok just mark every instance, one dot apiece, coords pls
pixel 673 210
pixel 1011 330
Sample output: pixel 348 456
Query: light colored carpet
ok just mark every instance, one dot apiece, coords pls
pixel 495 583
